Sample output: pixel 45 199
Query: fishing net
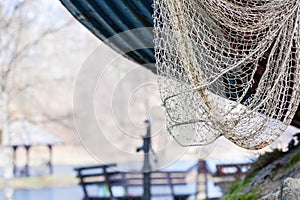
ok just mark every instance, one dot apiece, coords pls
pixel 228 67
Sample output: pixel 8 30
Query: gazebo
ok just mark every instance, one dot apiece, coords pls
pixel 25 134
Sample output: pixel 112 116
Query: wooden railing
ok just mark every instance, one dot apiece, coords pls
pixel 106 176
pixel 232 169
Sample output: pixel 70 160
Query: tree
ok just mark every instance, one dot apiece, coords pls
pixel 21 30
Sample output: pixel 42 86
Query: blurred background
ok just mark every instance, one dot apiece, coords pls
pixel 42 50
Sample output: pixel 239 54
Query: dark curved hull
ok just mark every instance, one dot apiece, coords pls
pixel 107 18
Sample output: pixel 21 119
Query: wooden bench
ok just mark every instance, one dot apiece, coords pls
pixel 108 178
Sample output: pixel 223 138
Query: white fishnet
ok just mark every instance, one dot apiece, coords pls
pixel 228 67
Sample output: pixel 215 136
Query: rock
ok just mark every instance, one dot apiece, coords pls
pixel 272 196
pixel 289 190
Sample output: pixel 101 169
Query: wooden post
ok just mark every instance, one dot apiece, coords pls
pixel 14 159
pixel 50 159
pixel 171 184
pixel 108 182
pixel 202 170
pixel 86 196
pixel 27 148
pixel 146 166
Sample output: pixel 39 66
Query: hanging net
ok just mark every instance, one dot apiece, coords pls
pixel 228 67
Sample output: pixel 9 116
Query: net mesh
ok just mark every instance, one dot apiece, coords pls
pixel 228 67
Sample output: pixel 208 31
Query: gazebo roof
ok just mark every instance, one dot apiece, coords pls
pixel 24 133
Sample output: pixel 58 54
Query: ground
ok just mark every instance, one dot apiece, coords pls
pixel 267 174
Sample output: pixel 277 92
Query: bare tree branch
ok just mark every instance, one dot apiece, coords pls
pixel 60 120
pixel 13 13
pixel 13 49
pixel 17 89
pixel 20 53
